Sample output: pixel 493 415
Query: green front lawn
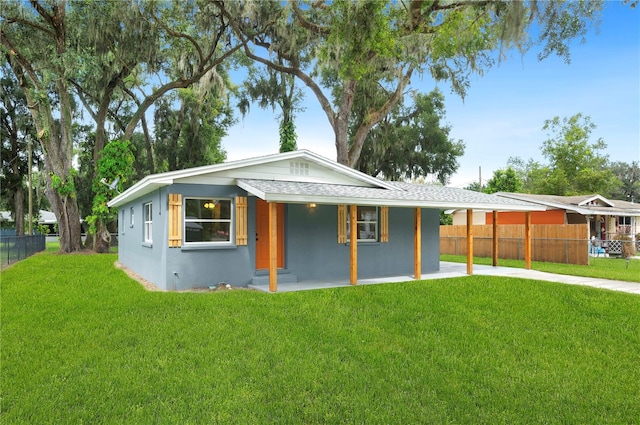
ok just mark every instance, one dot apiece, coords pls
pixel 604 268
pixel 83 343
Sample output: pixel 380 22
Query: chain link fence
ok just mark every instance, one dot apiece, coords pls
pixel 16 248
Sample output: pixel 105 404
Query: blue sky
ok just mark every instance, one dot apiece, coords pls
pixel 504 110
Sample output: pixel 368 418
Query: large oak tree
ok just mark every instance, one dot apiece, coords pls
pixel 340 48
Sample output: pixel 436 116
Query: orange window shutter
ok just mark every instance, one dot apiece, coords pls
pixel 241 220
pixel 384 224
pixel 175 220
pixel 342 224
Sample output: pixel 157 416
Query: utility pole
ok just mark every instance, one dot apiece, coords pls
pixel 480 179
pixel 30 186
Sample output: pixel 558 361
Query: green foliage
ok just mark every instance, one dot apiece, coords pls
pixel 16 129
pixel 445 219
pixel 575 166
pixel 474 186
pixel 42 229
pixel 65 186
pixel 504 181
pixel 288 137
pixel 191 135
pixel 470 350
pixel 359 30
pixel 411 142
pixel 629 177
pixel 114 166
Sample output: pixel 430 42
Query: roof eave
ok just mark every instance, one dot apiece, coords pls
pixel 338 200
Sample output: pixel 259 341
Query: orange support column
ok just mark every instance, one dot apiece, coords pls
pixel 353 243
pixel 417 243
pixel 273 246
pixel 469 241
pixel 495 238
pixel 527 240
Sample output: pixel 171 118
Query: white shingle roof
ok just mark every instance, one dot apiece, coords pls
pixel 371 191
pixel 404 195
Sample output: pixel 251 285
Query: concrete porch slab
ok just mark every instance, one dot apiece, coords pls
pixel 449 270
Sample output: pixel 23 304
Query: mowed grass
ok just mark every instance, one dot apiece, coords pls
pixel 83 343
pixel 603 268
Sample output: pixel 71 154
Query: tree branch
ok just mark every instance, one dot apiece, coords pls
pixel 34 25
pixel 178 34
pixel 306 24
pixel 178 84
pixel 373 117
pixel 308 81
pixel 22 61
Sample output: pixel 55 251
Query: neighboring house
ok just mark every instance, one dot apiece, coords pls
pixel 44 217
pixel 607 220
pixel 283 218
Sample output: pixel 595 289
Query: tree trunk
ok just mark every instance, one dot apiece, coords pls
pixel 148 145
pixel 18 207
pixel 57 159
pixel 341 126
pixel 68 215
pixel 102 241
pixel 18 196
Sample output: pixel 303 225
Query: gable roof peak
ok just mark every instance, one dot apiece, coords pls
pixel 155 181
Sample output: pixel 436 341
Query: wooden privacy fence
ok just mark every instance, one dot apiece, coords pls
pixel 555 243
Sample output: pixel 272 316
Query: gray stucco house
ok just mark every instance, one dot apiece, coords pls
pixel 283 218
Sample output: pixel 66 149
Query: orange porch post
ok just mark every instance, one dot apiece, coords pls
pixel 273 246
pixel 417 243
pixel 469 241
pixel 353 243
pixel 495 238
pixel 527 240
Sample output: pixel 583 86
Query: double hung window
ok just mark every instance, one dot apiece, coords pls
pixel 207 221
pixel 367 224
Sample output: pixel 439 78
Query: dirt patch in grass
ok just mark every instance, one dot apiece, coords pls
pixel 151 287
pixel 135 276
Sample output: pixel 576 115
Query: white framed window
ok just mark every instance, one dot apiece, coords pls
pixel 148 222
pixel 207 221
pixel 367 222
pixel 131 215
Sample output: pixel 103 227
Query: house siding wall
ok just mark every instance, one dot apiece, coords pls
pixel 313 253
pixel 144 259
pixel 537 217
pixel 193 267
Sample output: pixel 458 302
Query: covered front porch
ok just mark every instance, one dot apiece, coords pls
pixel 415 200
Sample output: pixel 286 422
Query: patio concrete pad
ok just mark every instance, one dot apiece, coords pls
pixel 450 270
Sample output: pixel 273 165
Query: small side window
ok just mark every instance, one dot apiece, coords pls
pixel 148 222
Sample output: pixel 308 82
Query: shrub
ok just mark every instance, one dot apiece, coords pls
pixel 628 247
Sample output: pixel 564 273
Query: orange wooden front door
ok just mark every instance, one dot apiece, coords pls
pixel 262 235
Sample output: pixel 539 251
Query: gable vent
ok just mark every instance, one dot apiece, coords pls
pixel 299 168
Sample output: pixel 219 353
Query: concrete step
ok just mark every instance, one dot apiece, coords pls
pixel 283 277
